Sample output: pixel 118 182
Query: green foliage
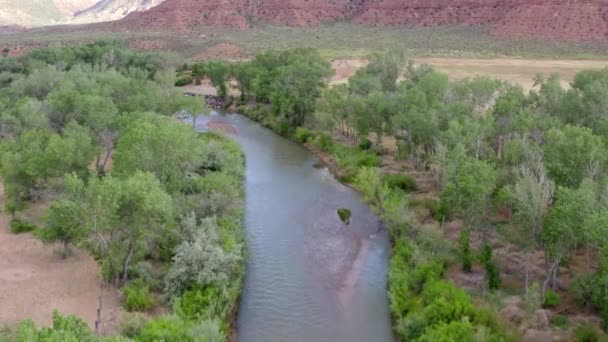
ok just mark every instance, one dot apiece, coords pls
pixel 400 181
pixel 168 328
pixel 464 245
pixel 560 321
pixel 344 215
pixel 324 142
pixel 18 226
pixel 199 303
pixel 137 297
pixel 365 144
pixel 447 332
pixel 303 135
pixel 468 189
pixel 183 80
pixel 573 153
pixel 492 272
pixel 132 323
pixel 587 333
pixel 218 72
pixel 63 329
pixel 552 299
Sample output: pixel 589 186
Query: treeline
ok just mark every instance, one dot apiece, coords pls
pixel 160 207
pixel 491 148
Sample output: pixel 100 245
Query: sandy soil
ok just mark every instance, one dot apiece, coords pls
pixel 516 70
pixel 34 281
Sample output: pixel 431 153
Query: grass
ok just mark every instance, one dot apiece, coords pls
pixel 339 40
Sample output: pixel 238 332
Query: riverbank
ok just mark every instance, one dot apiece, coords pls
pixel 420 254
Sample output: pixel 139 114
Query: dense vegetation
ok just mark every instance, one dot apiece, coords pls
pixel 533 165
pixel 159 206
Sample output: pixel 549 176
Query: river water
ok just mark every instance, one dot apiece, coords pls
pixel 309 276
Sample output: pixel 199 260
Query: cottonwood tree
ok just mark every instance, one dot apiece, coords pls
pixel 563 226
pixel 531 196
pixel 573 153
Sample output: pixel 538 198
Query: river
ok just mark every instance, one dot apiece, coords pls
pixel 309 276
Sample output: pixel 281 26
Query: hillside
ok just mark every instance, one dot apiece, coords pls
pixel 53 12
pixel 572 20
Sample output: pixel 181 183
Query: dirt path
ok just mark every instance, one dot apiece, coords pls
pixel 34 281
pixel 516 70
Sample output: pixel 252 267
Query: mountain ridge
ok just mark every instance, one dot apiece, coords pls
pixel 572 20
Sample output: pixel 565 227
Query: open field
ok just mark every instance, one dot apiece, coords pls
pixel 34 281
pixel 515 70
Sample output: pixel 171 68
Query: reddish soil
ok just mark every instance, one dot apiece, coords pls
pixel 35 280
pixel 572 20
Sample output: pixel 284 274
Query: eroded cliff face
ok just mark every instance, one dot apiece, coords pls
pixel 575 20
pixel 183 15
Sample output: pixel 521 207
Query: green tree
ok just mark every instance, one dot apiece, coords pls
pixel 218 72
pixel 469 185
pixel 572 154
pixel 531 196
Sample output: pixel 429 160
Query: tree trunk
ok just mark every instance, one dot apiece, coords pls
pixel 550 276
pixel 125 270
pixel 66 248
pixel 109 149
pixel 527 272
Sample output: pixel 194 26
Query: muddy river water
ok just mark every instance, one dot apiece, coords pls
pixel 309 276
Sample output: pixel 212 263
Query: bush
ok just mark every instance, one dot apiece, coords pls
pixel 492 272
pixel 344 215
pixel 303 135
pixel 560 321
pixel 167 328
pixel 366 144
pixel 324 142
pixel 199 303
pixel 587 333
pixel 464 244
pixel 137 297
pixel 400 181
pixel 183 80
pixel 132 324
pixel 18 226
pixel 552 299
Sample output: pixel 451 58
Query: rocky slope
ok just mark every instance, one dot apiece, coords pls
pixel 54 12
pixel 575 20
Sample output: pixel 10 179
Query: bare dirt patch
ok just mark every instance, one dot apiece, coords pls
pixel 34 281
pixel 516 70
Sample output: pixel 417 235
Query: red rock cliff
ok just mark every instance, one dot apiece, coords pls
pixel 576 20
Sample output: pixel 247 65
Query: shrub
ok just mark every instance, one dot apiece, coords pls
pixel 560 321
pixel 167 328
pixel 344 215
pixel 365 144
pixel 199 303
pixel 18 226
pixel 324 142
pixel 586 333
pixel 183 80
pixel 137 297
pixel 492 272
pixel 400 181
pixel 132 324
pixel 303 135
pixel 464 244
pixel 552 299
